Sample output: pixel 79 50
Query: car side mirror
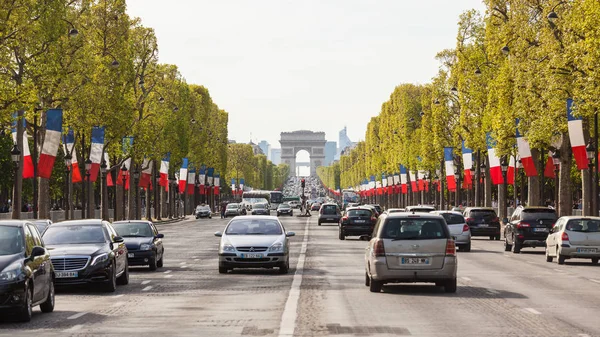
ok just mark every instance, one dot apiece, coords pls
pixel 118 239
pixel 159 236
pixel 290 234
pixel 505 220
pixel 37 251
pixel 218 234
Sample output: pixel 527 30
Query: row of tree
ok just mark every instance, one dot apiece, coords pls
pixel 520 60
pixel 256 170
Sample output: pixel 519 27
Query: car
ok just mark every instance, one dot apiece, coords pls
pixel 528 227
pixel 377 207
pixel 294 204
pixel 408 248
pixel 26 272
pixel 203 211
pixel 87 252
pixel 315 206
pixel 357 221
pixel 373 208
pixel 394 210
pixel 574 237
pixel 232 209
pixel 458 229
pixel 42 224
pixel 483 221
pixel 285 209
pixel 143 241
pixel 419 209
pixel 329 212
pixel 254 242
pixel 260 209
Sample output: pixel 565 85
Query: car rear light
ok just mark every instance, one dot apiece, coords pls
pixel 465 228
pixel 378 248
pixel 345 218
pixel 469 219
pixel 565 236
pixel 523 225
pixel 450 248
pixel 373 218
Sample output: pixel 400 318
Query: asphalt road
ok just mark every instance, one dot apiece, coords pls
pixel 499 294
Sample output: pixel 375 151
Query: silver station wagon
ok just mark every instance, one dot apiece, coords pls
pixel 574 237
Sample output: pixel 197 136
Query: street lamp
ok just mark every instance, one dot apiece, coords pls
pixel 136 177
pixel 504 167
pixel 88 167
pixel 68 162
pixel 171 199
pixel 157 195
pixel 552 16
pixel 505 50
pixel 556 162
pixel 591 151
pixel 123 179
pixel 15 154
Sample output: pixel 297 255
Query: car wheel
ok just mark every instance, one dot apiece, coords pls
pixel 594 260
pixel 516 247
pixel 561 258
pixel 159 263
pixel 284 268
pixel 507 247
pixel 341 235
pixel 25 312
pixel 222 269
pixel 111 285
pixel 152 264
pixel 367 279
pixel 548 257
pixel 48 305
pixel 375 286
pixel 124 278
pixel 450 286
pixel 319 223
pixel 466 248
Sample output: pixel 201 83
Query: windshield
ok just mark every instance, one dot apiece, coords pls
pixel 350 197
pixel 11 240
pixel 232 206
pixel 259 206
pixel 480 213
pixel 74 234
pixel 588 226
pixel 276 197
pixel 133 229
pixel 453 219
pixel 359 212
pixel 421 210
pixel 413 229
pixel 254 227
pixel 284 206
pixel 329 209
pixel 538 214
pixel 252 201
pixel 202 208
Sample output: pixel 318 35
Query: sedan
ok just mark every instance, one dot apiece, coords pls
pixel 144 243
pixel 87 252
pixel 260 209
pixel 458 229
pixel 26 272
pixel 232 209
pixel 574 237
pixel 285 209
pixel 203 211
pixel 254 242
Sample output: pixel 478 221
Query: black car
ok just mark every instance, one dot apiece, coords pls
pixel 87 252
pixel 285 209
pixel 260 209
pixel 203 211
pixel 528 227
pixel 26 272
pixel 329 212
pixel 483 221
pixel 232 209
pixel 144 243
pixel 357 221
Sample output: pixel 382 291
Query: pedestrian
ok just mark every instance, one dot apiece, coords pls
pixel 223 206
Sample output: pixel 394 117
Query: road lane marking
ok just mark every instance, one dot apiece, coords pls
pixel 168 276
pixel 117 296
pixel 74 328
pixel 196 259
pixel 183 266
pixel 77 315
pixel 182 262
pixel 466 279
pixel 118 304
pixel 559 270
pixel 533 311
pixel 583 335
pixel 145 282
pixel 147 288
pixel 287 325
pixel 168 271
pixel 595 281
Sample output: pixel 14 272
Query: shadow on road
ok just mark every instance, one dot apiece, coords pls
pixel 462 291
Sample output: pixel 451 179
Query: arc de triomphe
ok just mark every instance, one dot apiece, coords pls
pixel 312 142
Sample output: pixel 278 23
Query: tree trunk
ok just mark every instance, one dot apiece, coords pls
pixel 477 179
pixel 502 201
pixel 565 195
pixel 119 211
pixel 534 192
pixel 148 208
pixel 91 200
pixel 488 188
pixel 586 193
pixel 18 186
pixel 131 192
pixel 104 196
pixel 43 198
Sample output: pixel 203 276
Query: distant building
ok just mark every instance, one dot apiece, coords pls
pixel 344 142
pixel 256 149
pixel 276 156
pixel 266 148
pixel 330 152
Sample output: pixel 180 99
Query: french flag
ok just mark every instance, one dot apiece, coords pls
pixel 549 169
pixel 191 181
pixel 70 146
pixel 217 183
pixel 109 179
pixel 510 173
pixel 372 185
pixel 202 180
pixel 403 179
pixel 525 154
pixel 421 177
pixel 495 169
pixel 413 181
pixel 164 171
pixel 467 155
pixel 146 175
pixel 51 142
pixel 576 137
pixel 183 175
pixel 27 160
pixel 449 165
pixel 96 151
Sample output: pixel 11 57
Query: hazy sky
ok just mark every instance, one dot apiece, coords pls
pixel 280 65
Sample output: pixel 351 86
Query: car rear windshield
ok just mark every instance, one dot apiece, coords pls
pixel 588 226
pixel 232 206
pixel 11 240
pixel 254 227
pixel 453 219
pixel 421 210
pixel 133 230
pixel 538 214
pixel 283 206
pixel 413 229
pixel 258 206
pixel 74 234
pixel 329 209
pixel 480 213
pixel 359 212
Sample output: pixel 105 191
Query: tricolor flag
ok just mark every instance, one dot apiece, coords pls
pixel 146 175
pixel 421 179
pixel 51 143
pixel 69 146
pixel 549 169
pixel 510 173
pixel 495 169
pixel 233 185
pixel 449 166
pixel 27 160
pixel 372 185
pixel 413 181
pixel 467 155
pixel 217 183
pixel 183 175
pixel 576 137
pixel 127 173
pixel 109 179
pixel 191 181
pixel 209 176
pixel 96 151
pixel 242 185
pixel 525 154
pixel 202 180
pixel 403 179
pixel 164 171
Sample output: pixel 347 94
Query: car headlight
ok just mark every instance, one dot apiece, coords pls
pixel 99 259
pixel 145 246
pixel 276 247
pixel 10 273
pixel 227 247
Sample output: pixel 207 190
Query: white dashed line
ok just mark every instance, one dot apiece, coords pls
pixel 196 259
pixel 77 315
pixel 595 281
pixel 559 270
pixel 147 288
pixel 182 262
pixel 466 279
pixel 533 311
pixel 183 266
pixel 74 328
pixel 145 282
pixel 583 335
pixel 168 271
pixel 118 304
pixel 117 296
pixel 168 276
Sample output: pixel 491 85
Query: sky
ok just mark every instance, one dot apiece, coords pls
pixel 320 65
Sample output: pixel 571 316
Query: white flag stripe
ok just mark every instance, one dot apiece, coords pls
pixel 164 166
pixel 96 153
pixel 576 133
pixel 106 160
pixel 494 161
pixel 467 161
pixel 51 143
pixel 449 165
pixel 523 147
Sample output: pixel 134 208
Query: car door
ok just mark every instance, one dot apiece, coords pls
pixel 34 264
pixel 551 240
pixel 118 249
pixel 509 230
pixel 157 242
pixel 45 268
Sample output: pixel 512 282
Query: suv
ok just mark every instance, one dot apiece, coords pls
pixel 483 221
pixel 357 221
pixel 377 208
pixel 329 212
pixel 528 227
pixel 411 248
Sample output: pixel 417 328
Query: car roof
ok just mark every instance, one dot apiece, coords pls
pixel 580 217
pixel 256 217
pixel 536 207
pixel 479 208
pixel 359 208
pixel 421 206
pixel 330 203
pixel 445 212
pixel 80 222
pixel 414 215
pixel 13 223
pixel 132 221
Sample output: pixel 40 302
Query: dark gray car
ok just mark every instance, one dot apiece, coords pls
pixel 329 212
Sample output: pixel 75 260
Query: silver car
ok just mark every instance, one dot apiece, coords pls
pixel 254 242
pixel 574 237
pixel 458 229
pixel 232 209
pixel 408 248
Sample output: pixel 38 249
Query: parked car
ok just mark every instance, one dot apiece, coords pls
pixel 42 224
pixel 458 229
pixel 260 209
pixel 483 221
pixel 528 227
pixel 409 248
pixel 144 243
pixel 87 252
pixel 203 211
pixel 329 212
pixel 254 242
pixel 420 209
pixel 285 209
pixel 574 237
pixel 232 209
pixel 26 272
pixel 357 221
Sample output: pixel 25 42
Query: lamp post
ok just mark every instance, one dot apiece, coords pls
pixel 123 180
pixel 591 150
pixel 457 194
pixel 482 169
pixel 157 195
pixel 88 167
pixel 103 191
pixel 15 155
pixel 502 203
pixel 471 200
pixel 136 177
pixel 556 162
pixel 68 163
pixel 518 174
pixel 170 198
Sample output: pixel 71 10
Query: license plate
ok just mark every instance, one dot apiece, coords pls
pixel 586 250
pixel 130 255
pixel 415 260
pixel 330 219
pixel 483 225
pixel 540 230
pixel 252 256
pixel 359 221
pixel 66 274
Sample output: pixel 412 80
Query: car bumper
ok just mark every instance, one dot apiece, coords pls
pixel 334 219
pixel 572 251
pixel 489 231
pixel 462 239
pixel 232 213
pixel 203 215
pixel 532 242
pixel 261 213
pixel 91 274
pixel 285 213
pixel 237 261
pixel 350 230
pixel 12 295
pixel 380 272
pixel 140 257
